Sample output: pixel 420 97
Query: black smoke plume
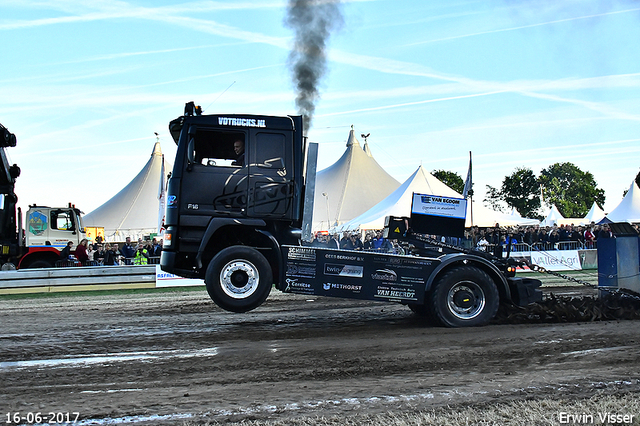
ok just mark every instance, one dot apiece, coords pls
pixel 312 22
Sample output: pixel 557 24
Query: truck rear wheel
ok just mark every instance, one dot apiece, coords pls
pixel 40 264
pixel 464 297
pixel 238 279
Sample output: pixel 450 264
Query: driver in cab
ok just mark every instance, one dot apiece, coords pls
pixel 238 148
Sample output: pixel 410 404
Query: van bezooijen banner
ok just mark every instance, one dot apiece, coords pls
pixel 437 215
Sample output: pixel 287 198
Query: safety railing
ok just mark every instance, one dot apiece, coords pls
pixel 122 261
pixel 541 246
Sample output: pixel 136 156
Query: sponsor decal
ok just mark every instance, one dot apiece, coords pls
pixel 395 293
pixel 241 122
pixel 344 257
pixel 336 286
pixel 384 275
pixel 235 199
pixel 301 253
pixel 37 222
pixel 301 271
pixel 398 262
pixel 342 270
pixel 428 199
pixel 295 286
pixel 411 280
pixel 439 206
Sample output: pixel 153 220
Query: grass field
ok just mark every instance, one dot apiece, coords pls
pixel 598 410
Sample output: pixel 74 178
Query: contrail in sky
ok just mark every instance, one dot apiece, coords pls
pixel 557 21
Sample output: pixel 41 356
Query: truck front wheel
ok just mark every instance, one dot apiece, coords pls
pixel 464 297
pixel 238 279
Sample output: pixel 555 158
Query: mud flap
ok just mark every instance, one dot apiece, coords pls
pixel 525 291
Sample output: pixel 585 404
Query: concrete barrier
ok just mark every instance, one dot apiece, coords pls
pixel 48 280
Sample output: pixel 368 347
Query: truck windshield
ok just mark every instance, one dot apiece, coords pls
pixel 62 220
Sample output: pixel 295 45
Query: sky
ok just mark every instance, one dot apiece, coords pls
pixel 86 84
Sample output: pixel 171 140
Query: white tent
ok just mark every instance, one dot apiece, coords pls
pixel 629 208
pixel 398 203
pixel 595 214
pixel 483 217
pixel 349 187
pixel 553 217
pixel 515 213
pixel 133 212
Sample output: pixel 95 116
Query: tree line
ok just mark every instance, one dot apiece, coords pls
pixel 564 185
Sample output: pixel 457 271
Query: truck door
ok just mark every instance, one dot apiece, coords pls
pixel 64 227
pixel 213 183
pixel 51 227
pixel 271 189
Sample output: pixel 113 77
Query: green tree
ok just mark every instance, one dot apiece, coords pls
pixel 570 189
pixel 519 190
pixel 494 199
pixel 522 191
pixel 451 179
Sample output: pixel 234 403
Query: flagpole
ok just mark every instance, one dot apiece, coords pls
pixel 467 192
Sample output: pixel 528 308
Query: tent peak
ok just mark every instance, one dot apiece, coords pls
pixel 366 149
pixel 352 141
pixel 156 149
pixel 628 210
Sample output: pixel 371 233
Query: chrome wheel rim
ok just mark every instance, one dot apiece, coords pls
pixel 466 300
pixel 239 279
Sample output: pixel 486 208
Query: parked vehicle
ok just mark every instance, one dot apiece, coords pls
pixel 48 229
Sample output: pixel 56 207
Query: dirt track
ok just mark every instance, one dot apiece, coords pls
pixel 177 356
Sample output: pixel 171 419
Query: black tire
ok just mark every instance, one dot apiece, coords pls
pixel 419 310
pixel 40 264
pixel 238 279
pixel 465 296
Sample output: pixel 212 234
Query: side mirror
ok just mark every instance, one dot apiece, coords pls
pixel 190 154
pixel 191 148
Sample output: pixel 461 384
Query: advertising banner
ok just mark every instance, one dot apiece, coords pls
pixel 360 275
pixel 165 279
pixel 557 260
pixel 433 214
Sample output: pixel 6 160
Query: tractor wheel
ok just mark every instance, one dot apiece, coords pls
pixel 464 297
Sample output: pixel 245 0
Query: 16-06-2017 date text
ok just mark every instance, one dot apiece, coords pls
pixel 57 417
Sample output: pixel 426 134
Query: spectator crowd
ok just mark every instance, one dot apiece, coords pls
pixel 100 253
pixel 521 238
pixel 569 237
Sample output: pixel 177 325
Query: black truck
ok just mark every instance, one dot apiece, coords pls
pixel 241 221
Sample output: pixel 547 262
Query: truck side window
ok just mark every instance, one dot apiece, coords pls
pixel 270 149
pixel 62 220
pixel 215 148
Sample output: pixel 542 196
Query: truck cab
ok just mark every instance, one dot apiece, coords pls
pixel 216 200
pixel 47 232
